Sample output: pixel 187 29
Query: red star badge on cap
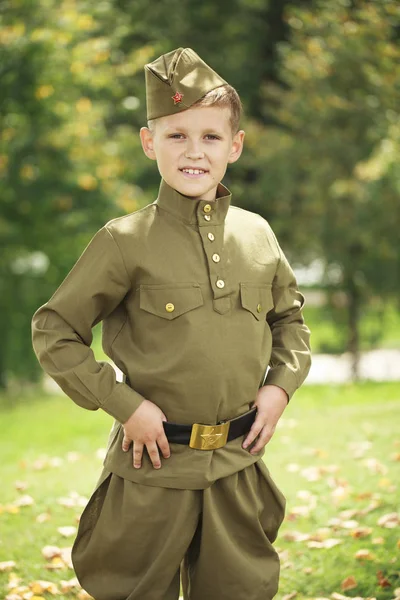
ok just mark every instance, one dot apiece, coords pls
pixel 177 97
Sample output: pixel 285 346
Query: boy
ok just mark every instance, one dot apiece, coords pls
pixel 196 299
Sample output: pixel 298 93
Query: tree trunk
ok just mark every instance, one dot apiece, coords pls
pixel 353 326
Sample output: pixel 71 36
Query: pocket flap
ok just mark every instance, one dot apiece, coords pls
pixel 257 298
pixel 169 301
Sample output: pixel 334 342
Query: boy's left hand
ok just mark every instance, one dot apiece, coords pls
pixel 271 401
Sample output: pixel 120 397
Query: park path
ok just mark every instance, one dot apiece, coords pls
pixel 377 365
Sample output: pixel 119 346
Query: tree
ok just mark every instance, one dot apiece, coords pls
pixel 335 168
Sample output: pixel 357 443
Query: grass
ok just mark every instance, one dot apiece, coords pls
pixel 318 429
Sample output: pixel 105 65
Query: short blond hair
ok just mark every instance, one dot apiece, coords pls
pixel 224 96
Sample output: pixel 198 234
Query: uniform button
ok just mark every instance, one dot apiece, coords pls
pixel 169 307
pixel 259 308
pixel 207 208
pixel 211 236
pixel 216 257
pixel 207 217
pixel 220 283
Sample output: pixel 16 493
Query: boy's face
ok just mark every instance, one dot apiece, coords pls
pixel 197 138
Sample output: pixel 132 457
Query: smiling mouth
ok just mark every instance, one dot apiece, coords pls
pixel 194 172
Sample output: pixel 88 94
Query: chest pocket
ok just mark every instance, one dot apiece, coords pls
pixel 170 301
pixel 257 298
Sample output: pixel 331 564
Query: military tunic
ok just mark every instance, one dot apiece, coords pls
pixel 196 299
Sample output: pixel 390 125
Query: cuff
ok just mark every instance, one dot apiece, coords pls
pixel 122 402
pixel 284 378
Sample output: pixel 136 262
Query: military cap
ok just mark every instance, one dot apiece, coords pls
pixel 176 80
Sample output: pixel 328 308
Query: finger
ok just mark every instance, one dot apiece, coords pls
pixel 162 441
pixel 137 454
pixel 265 436
pixel 152 449
pixel 126 442
pixel 254 431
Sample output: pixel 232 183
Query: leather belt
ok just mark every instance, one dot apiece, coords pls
pixel 210 437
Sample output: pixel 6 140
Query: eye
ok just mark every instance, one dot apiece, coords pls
pixel 214 137
pixel 175 135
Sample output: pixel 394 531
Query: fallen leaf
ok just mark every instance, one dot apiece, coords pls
pixel 83 595
pixel 13 581
pixel 390 520
pixel 73 500
pixel 364 555
pixel 363 495
pixel 50 552
pixel 371 506
pixel 375 466
pixel 300 511
pixel 40 586
pixel 43 517
pixel 56 563
pixel 295 536
pixel 71 584
pixel 349 583
pixel 24 501
pixel 361 532
pixel 322 533
pixel 67 531
pixel 329 543
pixel 7 565
pixel 358 449
pixel 382 581
pixel 21 485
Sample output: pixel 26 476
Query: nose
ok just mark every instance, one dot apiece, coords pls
pixel 193 151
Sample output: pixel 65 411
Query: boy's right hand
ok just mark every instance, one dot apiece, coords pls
pixel 144 427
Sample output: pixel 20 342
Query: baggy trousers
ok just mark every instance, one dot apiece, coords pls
pixel 138 542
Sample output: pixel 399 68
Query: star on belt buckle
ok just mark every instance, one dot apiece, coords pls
pixel 209 437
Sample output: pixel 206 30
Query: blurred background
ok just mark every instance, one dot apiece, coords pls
pixel 320 85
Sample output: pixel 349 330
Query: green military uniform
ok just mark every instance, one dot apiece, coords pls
pixel 196 299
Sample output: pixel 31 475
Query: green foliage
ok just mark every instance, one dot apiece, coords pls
pixel 320 85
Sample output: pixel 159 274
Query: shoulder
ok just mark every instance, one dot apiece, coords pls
pixel 131 223
pixel 246 217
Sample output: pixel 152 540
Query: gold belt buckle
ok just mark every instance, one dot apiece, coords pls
pixel 209 437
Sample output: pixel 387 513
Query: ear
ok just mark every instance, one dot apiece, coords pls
pixel 237 146
pixel 146 138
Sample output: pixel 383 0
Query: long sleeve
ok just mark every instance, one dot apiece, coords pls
pixel 62 329
pixel 291 354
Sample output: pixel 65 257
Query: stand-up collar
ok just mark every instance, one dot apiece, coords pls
pixel 189 210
